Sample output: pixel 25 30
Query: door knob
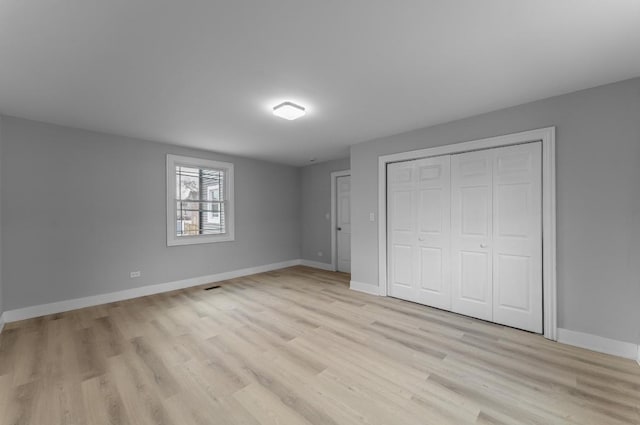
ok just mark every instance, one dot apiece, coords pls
pixel 339 228
pixel 421 239
pixel 483 245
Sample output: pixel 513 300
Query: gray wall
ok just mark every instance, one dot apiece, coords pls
pixel 598 194
pixel 315 204
pixel 81 210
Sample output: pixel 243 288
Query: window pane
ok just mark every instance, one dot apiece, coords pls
pixel 214 219
pixel 200 218
pixel 188 218
pixel 188 182
pixel 212 184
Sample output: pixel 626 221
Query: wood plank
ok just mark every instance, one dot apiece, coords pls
pixel 296 346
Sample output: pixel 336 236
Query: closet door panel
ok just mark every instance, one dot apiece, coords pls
pixel 433 189
pixel 471 233
pixel 402 229
pixel 517 236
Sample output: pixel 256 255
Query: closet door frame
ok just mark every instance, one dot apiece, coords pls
pixel 549 275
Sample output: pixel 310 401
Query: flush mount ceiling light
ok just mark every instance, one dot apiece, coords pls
pixel 288 111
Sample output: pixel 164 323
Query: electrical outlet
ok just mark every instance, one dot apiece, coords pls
pixel 372 217
pixel 320 254
pixel 133 275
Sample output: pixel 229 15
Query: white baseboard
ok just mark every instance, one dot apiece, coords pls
pixel 600 344
pixel 67 305
pixel 317 265
pixel 364 287
pixel 566 336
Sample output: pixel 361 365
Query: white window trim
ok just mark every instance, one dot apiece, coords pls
pixel 172 238
pixel 548 138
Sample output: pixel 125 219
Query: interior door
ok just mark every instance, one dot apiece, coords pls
pixel 401 229
pixel 471 233
pixel 419 231
pixel 517 236
pixel 465 233
pixel 433 199
pixel 343 239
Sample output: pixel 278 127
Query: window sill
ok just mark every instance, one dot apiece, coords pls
pixel 196 240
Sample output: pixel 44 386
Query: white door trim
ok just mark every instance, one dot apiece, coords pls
pixel 548 139
pixel 334 220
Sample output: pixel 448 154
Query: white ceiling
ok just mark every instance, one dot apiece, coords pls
pixel 206 73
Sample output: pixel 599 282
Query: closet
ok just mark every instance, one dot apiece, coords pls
pixel 465 233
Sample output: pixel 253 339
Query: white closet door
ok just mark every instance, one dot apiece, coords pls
pixel 419 237
pixel 401 225
pixel 465 234
pixel 471 233
pixel 517 236
pixel 433 193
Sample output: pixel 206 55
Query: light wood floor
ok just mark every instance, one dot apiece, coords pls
pixel 298 347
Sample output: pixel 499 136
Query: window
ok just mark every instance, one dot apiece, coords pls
pixel 199 201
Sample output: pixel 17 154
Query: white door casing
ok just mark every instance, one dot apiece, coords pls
pixel 343 219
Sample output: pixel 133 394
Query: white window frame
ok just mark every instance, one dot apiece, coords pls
pixel 186 161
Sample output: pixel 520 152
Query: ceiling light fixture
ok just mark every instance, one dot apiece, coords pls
pixel 288 111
